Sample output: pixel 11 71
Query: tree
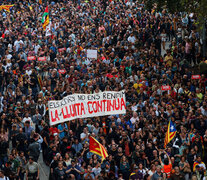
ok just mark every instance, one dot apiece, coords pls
pixel 198 7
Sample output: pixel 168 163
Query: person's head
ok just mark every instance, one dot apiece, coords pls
pixel 166 161
pixel 124 159
pixel 21 154
pixel 152 167
pixel 31 159
pixel 1 174
pixel 140 166
pixel 119 149
pixel 11 157
pixel 60 164
pixel 76 141
pixel 199 159
pixel 67 156
pixel 27 123
pixel 36 136
pixel 89 169
pixel 158 169
pixel 54 148
pixel 136 168
pixel 183 158
pixel 177 169
pixel 20 130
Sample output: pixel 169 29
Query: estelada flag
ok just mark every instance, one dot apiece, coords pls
pixel 171 132
pixel 45 18
pixel 97 148
pixel 6 7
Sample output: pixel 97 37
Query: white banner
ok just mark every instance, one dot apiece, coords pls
pixel 87 105
pixel 92 53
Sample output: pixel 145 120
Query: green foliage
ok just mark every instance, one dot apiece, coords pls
pixel 199 7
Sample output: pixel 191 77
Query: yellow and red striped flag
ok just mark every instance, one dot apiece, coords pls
pixel 40 81
pixel 171 132
pixel 45 18
pixel 6 7
pixel 97 148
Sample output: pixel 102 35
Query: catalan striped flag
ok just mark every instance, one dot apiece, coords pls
pixel 97 148
pixel 171 132
pixel 40 81
pixel 45 18
pixel 6 7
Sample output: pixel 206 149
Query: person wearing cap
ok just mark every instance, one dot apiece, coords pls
pixel 32 170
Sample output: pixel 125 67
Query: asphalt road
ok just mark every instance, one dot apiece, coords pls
pixel 44 170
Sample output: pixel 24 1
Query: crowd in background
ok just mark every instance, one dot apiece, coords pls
pixel 139 51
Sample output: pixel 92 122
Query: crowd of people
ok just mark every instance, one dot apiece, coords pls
pixel 140 51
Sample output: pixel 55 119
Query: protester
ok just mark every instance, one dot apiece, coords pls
pixel 32 170
pixel 139 51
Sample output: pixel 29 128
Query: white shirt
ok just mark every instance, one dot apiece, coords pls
pixel 180 90
pixel 96 171
pixel 133 120
pixel 82 135
pixel 134 108
pixel 29 72
pixel 17 44
pixel 131 39
pixel 4 178
pixel 9 56
pixel 30 120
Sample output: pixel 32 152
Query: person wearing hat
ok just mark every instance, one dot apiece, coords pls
pixel 41 108
pixel 32 169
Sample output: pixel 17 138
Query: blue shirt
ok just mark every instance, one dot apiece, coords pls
pixel 60 127
pixel 77 147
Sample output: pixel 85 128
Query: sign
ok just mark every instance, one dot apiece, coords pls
pixel 92 53
pixel 62 71
pixel 30 58
pixel 87 105
pixel 165 88
pixel 61 49
pixel 42 58
pixel 195 77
